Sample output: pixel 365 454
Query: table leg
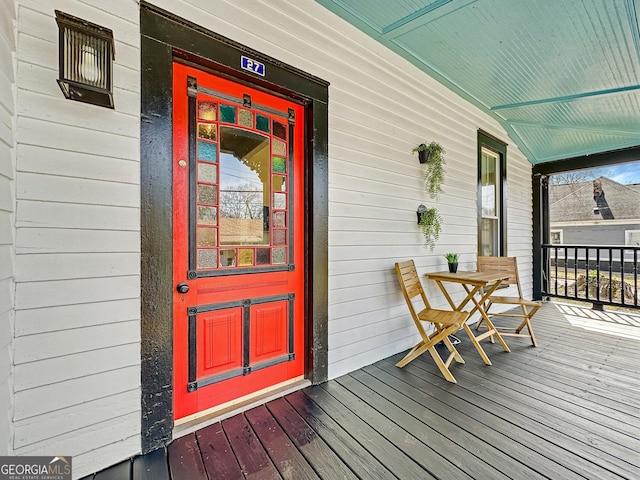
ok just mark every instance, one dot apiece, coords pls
pixel 476 344
pixel 446 295
pixel 471 292
pixel 491 329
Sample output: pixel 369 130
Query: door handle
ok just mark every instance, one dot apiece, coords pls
pixel 182 287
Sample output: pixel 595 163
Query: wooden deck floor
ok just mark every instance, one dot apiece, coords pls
pixel 569 409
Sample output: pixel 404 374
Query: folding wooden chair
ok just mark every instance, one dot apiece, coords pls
pixel 445 322
pixel 528 307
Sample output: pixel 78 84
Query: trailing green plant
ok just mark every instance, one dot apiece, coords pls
pixel 423 147
pixel 452 257
pixel 434 172
pixel 431 225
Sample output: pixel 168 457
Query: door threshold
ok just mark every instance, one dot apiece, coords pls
pixel 191 423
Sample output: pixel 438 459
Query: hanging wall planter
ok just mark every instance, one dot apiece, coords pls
pixel 432 155
pixel 429 219
pixel 430 223
pixel 423 153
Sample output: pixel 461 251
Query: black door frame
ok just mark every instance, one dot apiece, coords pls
pixel 166 37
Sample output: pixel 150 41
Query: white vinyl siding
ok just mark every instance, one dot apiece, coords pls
pixel 77 239
pixel 77 248
pixel 7 212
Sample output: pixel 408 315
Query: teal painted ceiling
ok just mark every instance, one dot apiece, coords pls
pixel 561 76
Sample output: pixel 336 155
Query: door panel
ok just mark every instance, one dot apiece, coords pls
pixel 269 325
pixel 220 342
pixel 238 231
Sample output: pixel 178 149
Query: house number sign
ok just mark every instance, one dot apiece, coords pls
pixel 251 65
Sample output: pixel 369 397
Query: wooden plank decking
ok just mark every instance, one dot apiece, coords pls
pixel 569 409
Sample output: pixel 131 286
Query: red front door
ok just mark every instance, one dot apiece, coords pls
pixel 238 240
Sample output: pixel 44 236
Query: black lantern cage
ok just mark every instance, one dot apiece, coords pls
pixel 85 54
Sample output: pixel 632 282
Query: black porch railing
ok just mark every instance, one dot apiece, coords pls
pixel 602 275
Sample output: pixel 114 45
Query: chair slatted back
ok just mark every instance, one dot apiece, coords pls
pixel 411 288
pixel 501 265
pixel 409 281
pixel 509 265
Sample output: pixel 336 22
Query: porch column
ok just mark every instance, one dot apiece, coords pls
pixel 540 190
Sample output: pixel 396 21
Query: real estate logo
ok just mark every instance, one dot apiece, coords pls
pixel 35 468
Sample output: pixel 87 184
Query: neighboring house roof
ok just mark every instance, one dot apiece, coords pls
pixel 577 201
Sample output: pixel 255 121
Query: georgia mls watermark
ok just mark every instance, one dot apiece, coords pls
pixel 35 468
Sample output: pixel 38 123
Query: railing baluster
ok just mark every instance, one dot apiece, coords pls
pixel 544 272
pixel 586 272
pixel 635 277
pixel 610 276
pixel 555 266
pixel 565 270
pixel 575 272
pixel 555 270
pixel 622 255
pixel 598 274
pixel 554 285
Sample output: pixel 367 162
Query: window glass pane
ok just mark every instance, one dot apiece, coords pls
pixel 262 123
pixel 279 256
pixel 207 173
pixel 279 130
pixel 263 256
pixel 207 111
pixel 279 237
pixel 279 219
pixel 207 237
pixel 207 258
pixel 208 131
pixel 490 177
pixel 489 237
pixel 227 114
pixel 207 194
pixel 245 118
pixel 207 151
pixel 279 148
pixel 207 215
pixel 245 257
pixel 279 201
pixel 279 183
pixel 489 185
pixel 279 164
pixel 227 258
pixel 244 187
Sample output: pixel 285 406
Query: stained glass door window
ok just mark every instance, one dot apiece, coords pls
pixel 242 184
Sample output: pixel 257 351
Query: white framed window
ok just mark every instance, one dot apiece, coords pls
pixel 632 238
pixel 492 212
pixel 555 236
pixel 490 226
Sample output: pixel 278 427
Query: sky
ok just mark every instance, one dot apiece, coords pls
pixel 625 173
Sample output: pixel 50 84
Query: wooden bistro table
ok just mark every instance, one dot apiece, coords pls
pixel 479 286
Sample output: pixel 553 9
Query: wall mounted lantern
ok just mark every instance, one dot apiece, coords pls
pixel 420 211
pixel 85 56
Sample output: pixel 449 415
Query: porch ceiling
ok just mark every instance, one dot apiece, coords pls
pixel 561 76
